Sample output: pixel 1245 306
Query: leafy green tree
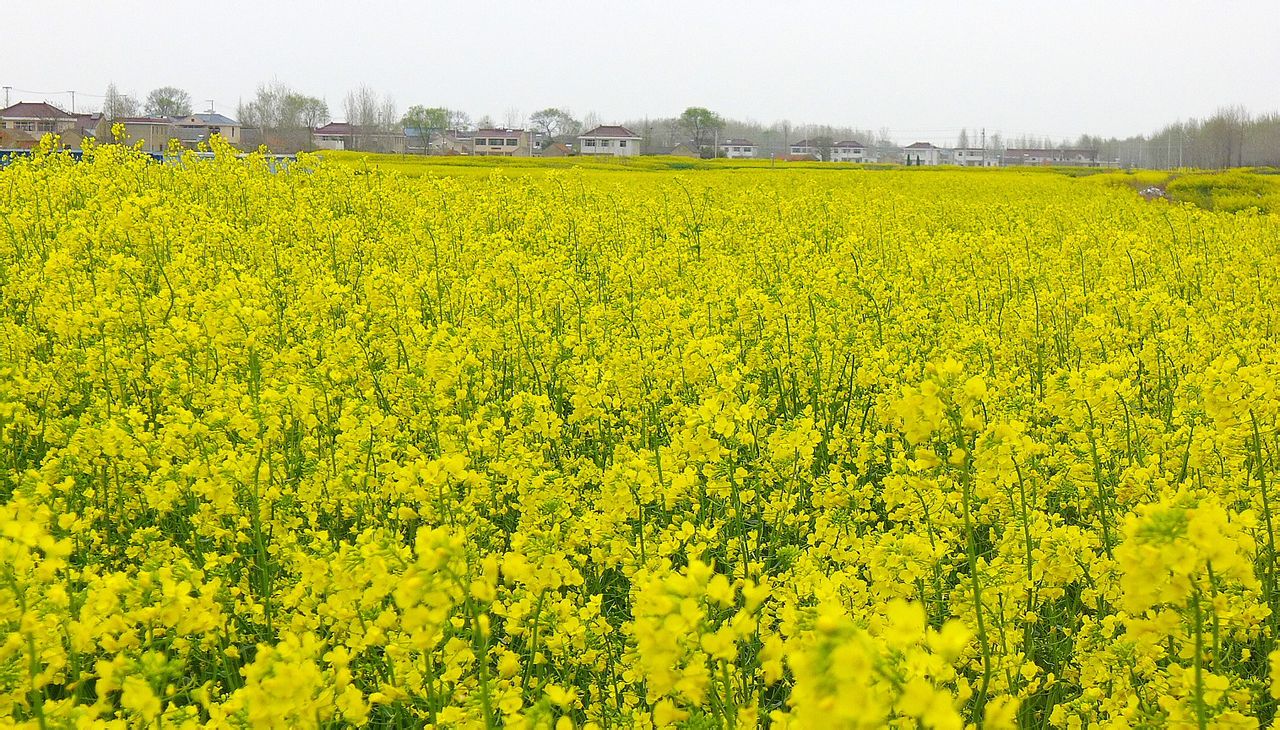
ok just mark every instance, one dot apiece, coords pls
pixel 700 124
pixel 427 121
pixel 168 101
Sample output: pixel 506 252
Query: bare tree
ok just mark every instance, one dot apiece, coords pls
pixel 553 122
pixel 458 120
pixel 823 142
pixel 117 105
pixel 372 118
pixel 1224 134
pixel 513 119
pixel 313 112
pixel 283 117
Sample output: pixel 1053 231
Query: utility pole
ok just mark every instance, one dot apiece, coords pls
pixel 73 101
pixel 210 105
pixel 6 95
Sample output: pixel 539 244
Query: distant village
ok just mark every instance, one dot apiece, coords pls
pixel 24 123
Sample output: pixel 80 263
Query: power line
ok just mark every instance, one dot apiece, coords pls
pixel 57 93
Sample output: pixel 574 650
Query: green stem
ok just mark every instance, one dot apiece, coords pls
pixel 1201 721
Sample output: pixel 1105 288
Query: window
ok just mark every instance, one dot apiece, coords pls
pixel 511 142
pixel 622 143
pixel 26 126
pixel 589 143
pixel 45 126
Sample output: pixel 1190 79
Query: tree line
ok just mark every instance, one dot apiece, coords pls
pixel 1230 137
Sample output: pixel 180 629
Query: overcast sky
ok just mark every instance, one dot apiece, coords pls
pixel 922 69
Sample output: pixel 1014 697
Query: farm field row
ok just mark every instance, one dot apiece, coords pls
pixel 599 447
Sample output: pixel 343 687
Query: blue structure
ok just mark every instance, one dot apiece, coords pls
pixel 275 163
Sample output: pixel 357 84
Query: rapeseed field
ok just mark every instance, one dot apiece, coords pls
pixel 787 448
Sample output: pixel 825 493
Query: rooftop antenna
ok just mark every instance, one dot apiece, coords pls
pixel 210 105
pixel 6 95
pixel 73 101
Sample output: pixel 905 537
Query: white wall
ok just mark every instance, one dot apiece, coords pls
pixel 839 154
pixel 925 156
pixel 609 146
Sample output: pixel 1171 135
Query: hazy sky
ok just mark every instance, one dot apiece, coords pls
pixel 922 69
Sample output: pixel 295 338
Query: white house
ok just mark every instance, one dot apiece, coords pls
pixel 974 157
pixel 333 136
pixel 921 153
pixel 849 151
pixel 805 147
pixel 609 140
pixel 737 148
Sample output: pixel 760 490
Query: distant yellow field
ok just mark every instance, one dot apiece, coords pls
pixel 397 441
pixel 413 165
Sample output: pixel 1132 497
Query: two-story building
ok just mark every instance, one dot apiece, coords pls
pixel 806 147
pixel 609 140
pixel 849 151
pixel 921 153
pixel 974 157
pixel 23 124
pixel 196 128
pixel 501 143
pixel 738 149
pixel 153 133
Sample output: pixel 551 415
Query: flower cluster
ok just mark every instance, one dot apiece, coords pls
pixel 321 446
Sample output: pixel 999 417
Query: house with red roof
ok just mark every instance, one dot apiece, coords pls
pixel 849 150
pixel 609 140
pixel 334 136
pixel 921 153
pixel 23 124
